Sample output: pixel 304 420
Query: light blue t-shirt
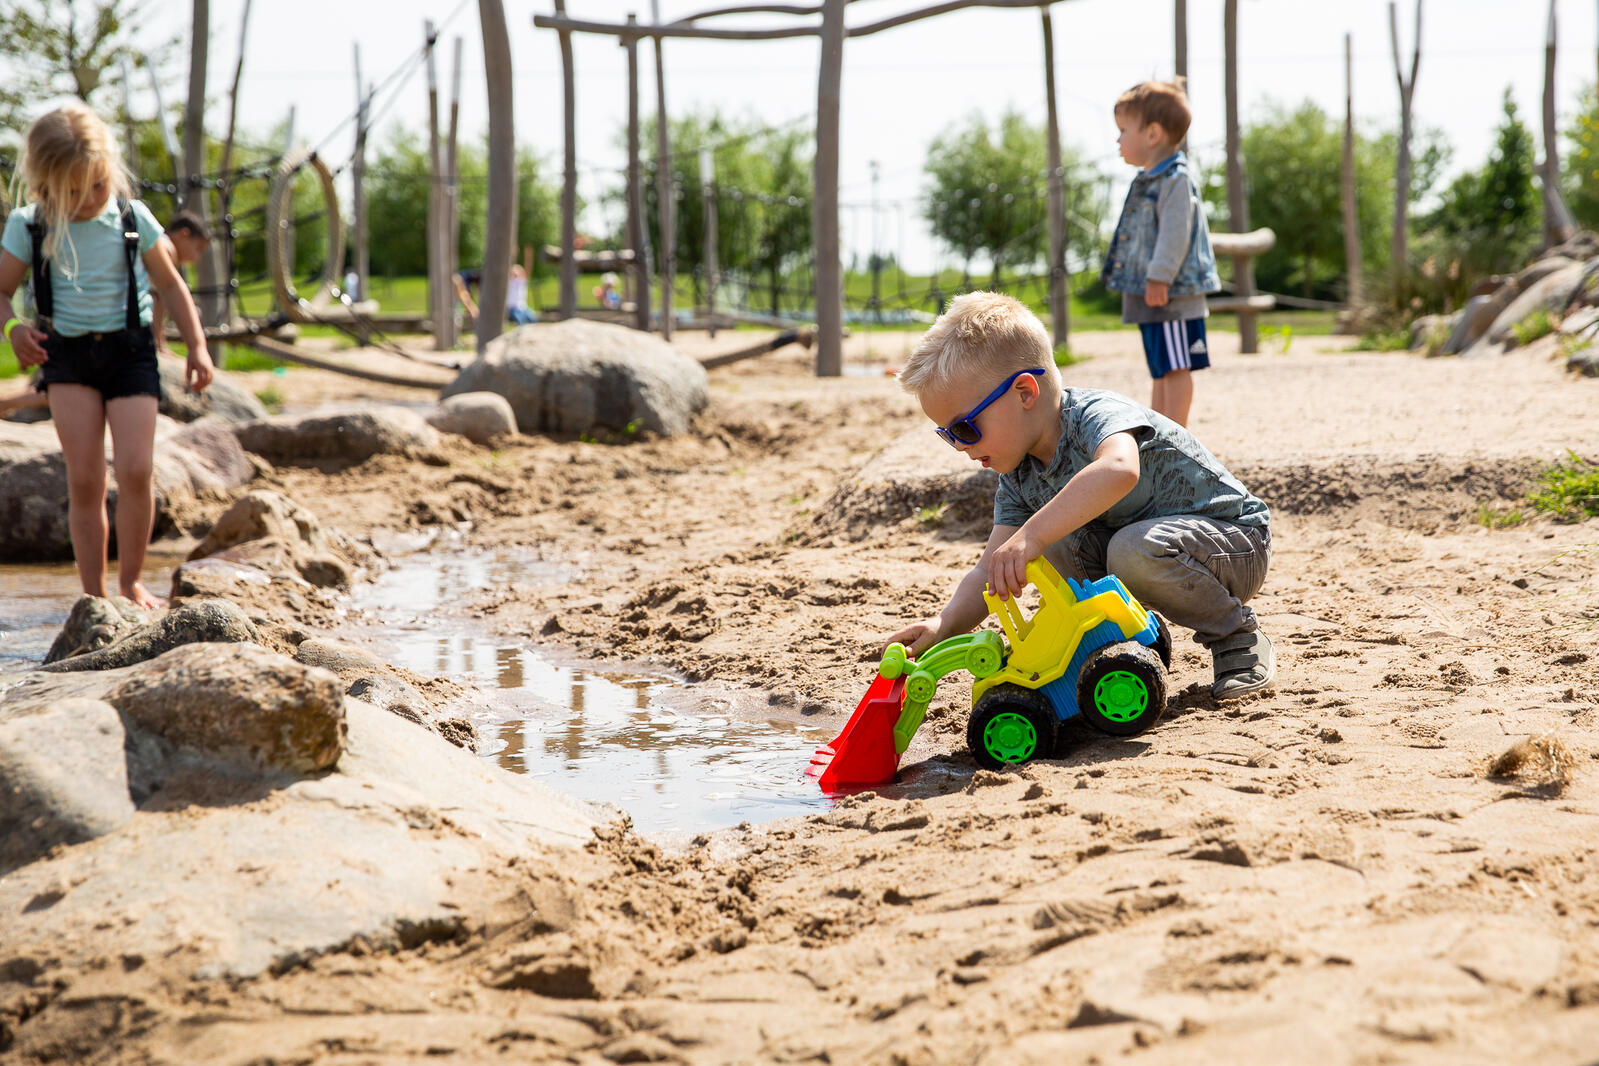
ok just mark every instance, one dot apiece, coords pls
pixel 93 297
pixel 1176 474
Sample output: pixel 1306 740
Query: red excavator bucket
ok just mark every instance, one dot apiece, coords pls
pixel 863 754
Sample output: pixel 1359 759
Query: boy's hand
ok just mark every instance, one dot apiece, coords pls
pixel 1007 567
pixel 1155 293
pixel 198 369
pixel 917 637
pixel 28 343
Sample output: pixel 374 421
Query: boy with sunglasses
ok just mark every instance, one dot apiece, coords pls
pixel 1098 482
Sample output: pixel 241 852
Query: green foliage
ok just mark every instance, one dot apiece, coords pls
pixel 762 184
pixel 1383 340
pixel 1570 490
pixel 988 194
pixel 1295 163
pixel 1539 323
pixel 271 397
pixel 1488 221
pixel 1064 356
pixel 1581 163
pixel 1494 518
pixel 933 516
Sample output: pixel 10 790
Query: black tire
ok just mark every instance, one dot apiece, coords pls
pixel 1162 643
pixel 1010 725
pixel 1122 689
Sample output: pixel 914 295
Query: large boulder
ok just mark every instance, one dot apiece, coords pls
pixel 189 461
pixel 237 705
pixel 222 399
pixel 1551 292
pixel 478 416
pixel 577 376
pixel 95 622
pixel 63 778
pixel 369 678
pixel 342 438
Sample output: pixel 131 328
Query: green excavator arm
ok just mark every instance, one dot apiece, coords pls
pixel 980 654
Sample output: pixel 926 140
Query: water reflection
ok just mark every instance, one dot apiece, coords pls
pixel 623 738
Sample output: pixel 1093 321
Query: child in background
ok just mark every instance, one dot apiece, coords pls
pixel 1098 482
pixel 94 253
pixel 186 239
pixel 1160 258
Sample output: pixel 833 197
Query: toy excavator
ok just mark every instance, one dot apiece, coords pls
pixel 1089 649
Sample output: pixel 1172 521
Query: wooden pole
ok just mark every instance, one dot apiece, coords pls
pixel 221 250
pixel 1059 309
pixel 360 259
pixel 666 208
pixel 1237 195
pixel 635 190
pixel 708 190
pixel 499 242
pixel 1351 206
pixel 1407 90
pixel 438 283
pixel 1180 48
pixel 1557 222
pixel 568 174
pixel 829 276
pixel 449 258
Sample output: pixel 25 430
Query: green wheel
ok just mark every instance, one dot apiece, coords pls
pixel 1010 725
pixel 1122 689
pixel 983 661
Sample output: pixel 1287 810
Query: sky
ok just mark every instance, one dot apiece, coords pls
pixel 905 86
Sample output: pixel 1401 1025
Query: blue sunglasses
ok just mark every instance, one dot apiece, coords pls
pixel 963 432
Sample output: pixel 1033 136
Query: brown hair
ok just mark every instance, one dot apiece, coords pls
pixel 982 335
pixel 1164 102
pixel 70 146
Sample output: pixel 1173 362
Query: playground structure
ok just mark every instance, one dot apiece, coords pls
pixel 1090 650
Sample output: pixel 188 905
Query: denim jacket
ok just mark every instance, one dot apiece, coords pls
pixel 1127 263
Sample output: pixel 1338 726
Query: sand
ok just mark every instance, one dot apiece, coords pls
pixel 1326 874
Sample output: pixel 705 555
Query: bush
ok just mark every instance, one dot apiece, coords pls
pixel 1539 323
pixel 1570 490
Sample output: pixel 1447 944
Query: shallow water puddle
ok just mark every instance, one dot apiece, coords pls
pixel 678 758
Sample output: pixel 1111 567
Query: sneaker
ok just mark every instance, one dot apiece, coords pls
pixel 1244 665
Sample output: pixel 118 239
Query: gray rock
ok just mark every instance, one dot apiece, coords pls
pixel 348 437
pixel 368 678
pixel 93 623
pixel 187 461
pixel 63 778
pixel 577 376
pixel 197 622
pixel 478 416
pixel 222 399
pixel 385 849
pixel 1472 322
pixel 1550 292
pixel 238 705
pixel 1585 361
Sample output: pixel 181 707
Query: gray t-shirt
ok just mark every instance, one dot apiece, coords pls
pixel 1176 474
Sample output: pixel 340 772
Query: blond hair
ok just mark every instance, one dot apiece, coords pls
pixel 1165 102
pixel 70 146
pixel 982 335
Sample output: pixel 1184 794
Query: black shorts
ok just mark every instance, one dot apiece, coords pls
pixel 119 363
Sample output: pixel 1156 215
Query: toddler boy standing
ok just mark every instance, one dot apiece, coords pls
pixel 1160 258
pixel 1099 482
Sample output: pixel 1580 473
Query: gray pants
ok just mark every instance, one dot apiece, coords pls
pixel 1197 572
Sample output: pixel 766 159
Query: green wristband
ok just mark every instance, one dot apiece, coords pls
pixel 6 329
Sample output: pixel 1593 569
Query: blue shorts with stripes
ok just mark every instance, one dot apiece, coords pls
pixel 1172 346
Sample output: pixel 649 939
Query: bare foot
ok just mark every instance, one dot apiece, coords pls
pixel 143 597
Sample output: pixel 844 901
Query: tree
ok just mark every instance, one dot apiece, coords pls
pixel 1295 159
pixel 1488 221
pixel 986 194
pixel 1581 164
pixel 762 185
pixel 55 49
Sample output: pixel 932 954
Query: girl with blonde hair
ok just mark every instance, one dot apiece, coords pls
pixel 92 254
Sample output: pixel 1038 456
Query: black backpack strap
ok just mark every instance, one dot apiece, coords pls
pixel 43 304
pixel 130 246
